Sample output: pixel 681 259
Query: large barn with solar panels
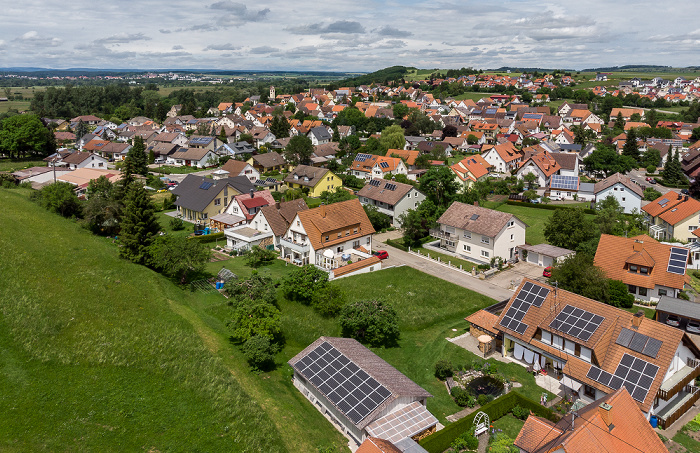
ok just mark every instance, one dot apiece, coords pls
pixel 594 349
pixel 361 393
pixel 649 268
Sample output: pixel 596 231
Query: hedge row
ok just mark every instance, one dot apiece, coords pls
pixel 673 186
pixel 397 243
pixel 208 238
pixel 551 207
pixel 441 440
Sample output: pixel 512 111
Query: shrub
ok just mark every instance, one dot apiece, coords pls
pixel 471 401
pixel 460 396
pixel 371 321
pixel 520 412
pixel 443 369
pixel 302 284
pixel 484 399
pixel 260 256
pixel 501 443
pixel 177 224
pixel 169 202
pixel 259 352
pixel 466 441
pixel 328 301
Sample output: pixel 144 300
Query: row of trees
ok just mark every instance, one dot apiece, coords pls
pixel 25 135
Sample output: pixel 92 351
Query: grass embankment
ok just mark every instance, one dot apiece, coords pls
pixel 12 165
pixel 95 359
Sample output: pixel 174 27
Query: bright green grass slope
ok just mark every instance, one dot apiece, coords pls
pixel 92 358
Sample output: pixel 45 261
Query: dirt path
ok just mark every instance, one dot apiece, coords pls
pixel 294 439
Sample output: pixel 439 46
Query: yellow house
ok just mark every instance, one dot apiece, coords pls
pixel 317 180
pixel 673 215
pixel 199 198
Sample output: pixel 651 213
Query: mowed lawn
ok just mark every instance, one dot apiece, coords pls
pixel 94 357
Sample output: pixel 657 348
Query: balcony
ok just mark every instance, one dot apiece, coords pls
pixel 679 379
pixel 439 234
pixel 291 244
pixel 678 406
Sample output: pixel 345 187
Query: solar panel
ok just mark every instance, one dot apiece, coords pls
pixel 576 322
pixel 271 180
pixel 390 186
pixel 663 201
pixel 384 164
pixel 375 182
pixel 625 337
pixel 638 342
pixel 564 182
pixel 206 185
pixel 354 392
pixel 474 217
pixel 677 260
pixel 360 157
pixel 635 374
pixel 530 294
pixel 652 347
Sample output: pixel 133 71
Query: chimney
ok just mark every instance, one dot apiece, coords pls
pixel 685 198
pixel 679 196
pixel 252 193
pixel 476 203
pixel 604 412
pixel 322 210
pixel 638 245
pixel 637 319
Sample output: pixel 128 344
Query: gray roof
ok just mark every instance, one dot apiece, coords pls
pixel 321 133
pixel 547 250
pixel 679 307
pixel 314 175
pixel 380 191
pixel 396 382
pixel 618 178
pixel 191 194
pixel 586 187
pixel 487 222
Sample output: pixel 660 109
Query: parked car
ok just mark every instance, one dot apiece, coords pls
pixel 381 254
pixel 648 179
pixel 652 181
pixel 547 272
pixel 673 320
pixel 693 327
pixel 685 192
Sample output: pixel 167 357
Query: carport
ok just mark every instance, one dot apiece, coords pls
pixel 544 255
pixel 685 310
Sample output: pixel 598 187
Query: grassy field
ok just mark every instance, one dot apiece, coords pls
pixel 466 264
pixel 510 425
pixel 688 435
pixel 96 357
pixel 16 165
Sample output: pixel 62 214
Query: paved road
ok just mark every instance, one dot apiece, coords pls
pixel 398 257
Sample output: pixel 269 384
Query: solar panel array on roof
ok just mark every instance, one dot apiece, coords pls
pixel 678 260
pixel 529 295
pixel 206 185
pixel 564 182
pixel 635 374
pixel 200 140
pixel 639 342
pixel 576 322
pixel 390 186
pixel 354 392
pixel 384 164
pixel 362 157
pixel 375 182
pixel 271 180
pixel 663 201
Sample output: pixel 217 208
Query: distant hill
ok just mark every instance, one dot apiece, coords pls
pixel 382 76
pixel 641 68
pixel 514 69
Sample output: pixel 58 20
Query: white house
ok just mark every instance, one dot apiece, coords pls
pixel 193 157
pixel 77 160
pixel 628 194
pixel 479 234
pixel 503 157
pixel 390 197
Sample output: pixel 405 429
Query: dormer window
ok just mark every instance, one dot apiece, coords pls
pixel 633 268
pixel 296 177
pixel 644 270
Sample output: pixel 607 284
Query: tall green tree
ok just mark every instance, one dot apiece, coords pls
pixel 392 138
pixel 631 149
pixel 136 160
pixel 439 185
pixel 673 172
pixel 80 130
pixel 25 135
pixel 139 226
pixel 280 127
pixel 299 150
pixel 606 160
pixel 102 210
pixel 578 275
pixel 60 198
pixel 568 228
pixel 302 284
pixel 371 321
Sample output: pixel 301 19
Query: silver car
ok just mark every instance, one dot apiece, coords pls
pixel 693 327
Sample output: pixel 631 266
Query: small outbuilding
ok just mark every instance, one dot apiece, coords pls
pixel 544 255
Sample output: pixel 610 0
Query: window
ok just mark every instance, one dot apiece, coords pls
pixel 298 223
pixel 467 248
pixel 368 240
pixel 585 354
pixel 692 228
pixel 511 223
pixel 225 201
pixel 217 202
pixel 468 234
pixel 354 231
pixel 340 235
pixel 662 292
pixel 632 289
pixel 347 233
pixel 328 238
pixel 569 346
pixel 484 253
pixel 546 337
pixel 557 342
pixel 633 268
pixel 204 216
pixel 644 270
pixel 623 198
pixel 511 237
pixel 355 244
pixel 588 391
pixel 485 239
pixel 642 291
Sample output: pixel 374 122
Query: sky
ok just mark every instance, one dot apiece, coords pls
pixel 347 35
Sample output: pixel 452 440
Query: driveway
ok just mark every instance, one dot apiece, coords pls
pixel 512 277
pixel 640 177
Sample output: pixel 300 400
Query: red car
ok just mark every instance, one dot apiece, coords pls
pixel 381 254
pixel 547 271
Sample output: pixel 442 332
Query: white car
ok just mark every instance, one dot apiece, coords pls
pixel 693 327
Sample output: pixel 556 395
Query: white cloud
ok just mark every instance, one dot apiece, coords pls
pixel 123 38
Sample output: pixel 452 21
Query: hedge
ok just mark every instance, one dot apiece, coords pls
pixel 441 440
pixel 396 243
pixel 551 207
pixel 673 186
pixel 208 237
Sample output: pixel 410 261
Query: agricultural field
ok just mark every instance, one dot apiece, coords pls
pixel 27 94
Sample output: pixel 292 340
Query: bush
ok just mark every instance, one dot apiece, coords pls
pixel 443 369
pixel 208 238
pixel 371 321
pixel 328 301
pixel 259 352
pixel 460 396
pixel 484 399
pixel 177 224
pixel 501 443
pixel 466 441
pixel 302 284
pixel 520 412
pixel 260 256
pixel 169 202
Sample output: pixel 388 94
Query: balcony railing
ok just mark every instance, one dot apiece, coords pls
pixel 439 234
pixel 684 401
pixel 680 379
pixel 294 245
